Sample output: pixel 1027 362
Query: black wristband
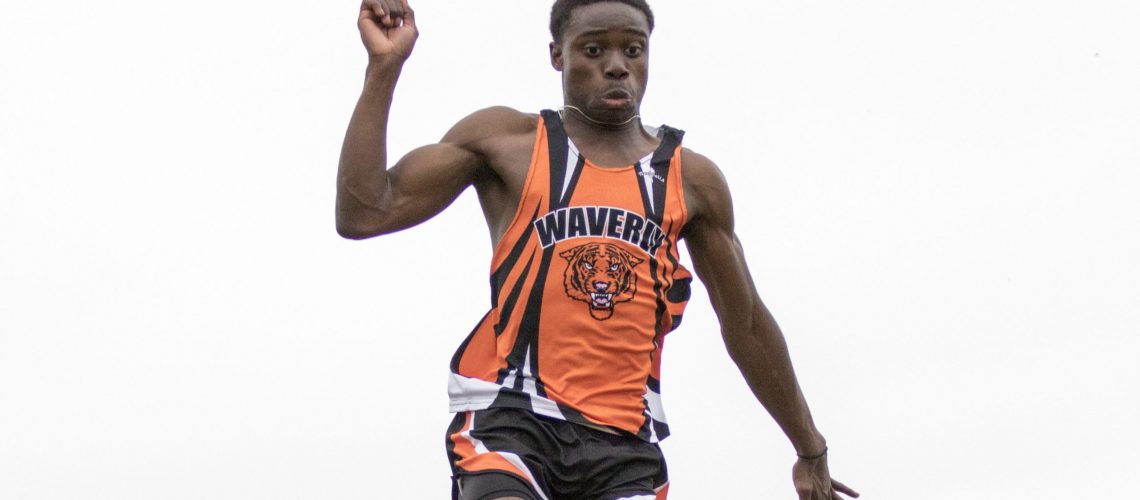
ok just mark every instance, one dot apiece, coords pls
pixel 814 457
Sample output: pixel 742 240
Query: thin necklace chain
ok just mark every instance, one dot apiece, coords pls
pixel 562 112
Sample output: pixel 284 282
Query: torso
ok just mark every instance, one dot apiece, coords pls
pixel 586 281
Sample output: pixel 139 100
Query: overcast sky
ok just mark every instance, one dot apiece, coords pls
pixel 938 201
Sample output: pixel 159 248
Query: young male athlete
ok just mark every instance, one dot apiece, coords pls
pixel 556 390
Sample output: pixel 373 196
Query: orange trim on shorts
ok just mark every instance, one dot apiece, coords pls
pixel 470 460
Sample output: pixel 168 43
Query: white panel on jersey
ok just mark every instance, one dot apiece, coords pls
pixel 653 433
pixel 472 394
pixel 546 407
pixel 571 162
pixel 529 386
pixel 656 408
pixel 645 173
pixel 510 380
pixel 541 405
pixel 468 394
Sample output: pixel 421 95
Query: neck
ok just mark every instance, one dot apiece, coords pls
pixel 608 143
pixel 574 113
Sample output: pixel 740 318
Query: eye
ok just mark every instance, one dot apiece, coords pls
pixel 614 267
pixel 633 51
pixel 592 50
pixel 587 265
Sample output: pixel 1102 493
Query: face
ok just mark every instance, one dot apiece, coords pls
pixel 601 275
pixel 604 60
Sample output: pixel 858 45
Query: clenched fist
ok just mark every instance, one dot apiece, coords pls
pixel 388 29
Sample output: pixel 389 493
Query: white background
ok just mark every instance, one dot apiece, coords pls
pixel 938 202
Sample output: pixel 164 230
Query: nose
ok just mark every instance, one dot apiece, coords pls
pixel 615 67
pixel 601 286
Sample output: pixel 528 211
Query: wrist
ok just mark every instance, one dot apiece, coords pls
pixel 812 447
pixel 817 456
pixel 386 63
pixel 381 75
pixel 385 70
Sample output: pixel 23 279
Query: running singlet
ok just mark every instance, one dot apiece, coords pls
pixel 585 283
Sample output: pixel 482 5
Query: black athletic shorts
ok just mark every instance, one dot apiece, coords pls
pixel 503 452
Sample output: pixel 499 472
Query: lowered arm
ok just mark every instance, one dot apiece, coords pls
pixel 751 335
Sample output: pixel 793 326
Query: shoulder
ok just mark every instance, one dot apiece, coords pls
pixel 489 124
pixel 700 172
pixel 706 191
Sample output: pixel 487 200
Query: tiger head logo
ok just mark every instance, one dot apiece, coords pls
pixel 601 275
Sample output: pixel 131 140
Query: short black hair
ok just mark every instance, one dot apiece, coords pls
pixel 560 13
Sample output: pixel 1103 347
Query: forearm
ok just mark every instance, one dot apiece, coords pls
pixel 760 351
pixel 362 175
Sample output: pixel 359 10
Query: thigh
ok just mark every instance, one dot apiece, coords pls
pixel 625 467
pixel 500 449
pixel 490 450
pixel 640 495
pixel 493 485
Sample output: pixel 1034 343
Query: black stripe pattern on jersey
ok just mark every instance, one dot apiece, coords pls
pixel 526 346
pixel 499 277
pixel 463 347
pixel 512 299
pixel 660 428
pixel 657 175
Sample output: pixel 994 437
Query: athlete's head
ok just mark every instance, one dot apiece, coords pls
pixel 560 13
pixel 602 49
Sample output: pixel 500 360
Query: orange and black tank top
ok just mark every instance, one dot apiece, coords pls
pixel 585 284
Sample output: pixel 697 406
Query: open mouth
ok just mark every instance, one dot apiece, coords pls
pixel 602 300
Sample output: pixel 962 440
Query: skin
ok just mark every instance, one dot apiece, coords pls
pixel 603 60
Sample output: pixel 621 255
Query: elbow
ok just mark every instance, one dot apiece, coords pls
pixel 350 233
pixel 354 221
pixel 741 346
pixel 353 229
pixel 347 230
pixel 743 338
pixel 357 220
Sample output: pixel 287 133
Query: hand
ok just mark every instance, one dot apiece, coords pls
pixel 387 28
pixel 813 481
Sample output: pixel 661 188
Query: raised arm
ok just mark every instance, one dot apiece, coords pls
pixel 371 198
pixel 750 333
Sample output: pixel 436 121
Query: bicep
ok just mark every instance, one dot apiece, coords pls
pixel 427 180
pixel 417 187
pixel 431 174
pixel 718 257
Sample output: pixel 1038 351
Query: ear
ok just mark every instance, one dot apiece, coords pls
pixel 571 253
pixel 556 55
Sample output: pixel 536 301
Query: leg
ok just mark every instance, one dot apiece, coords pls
pixel 493 456
pixel 493 486
pixel 639 465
